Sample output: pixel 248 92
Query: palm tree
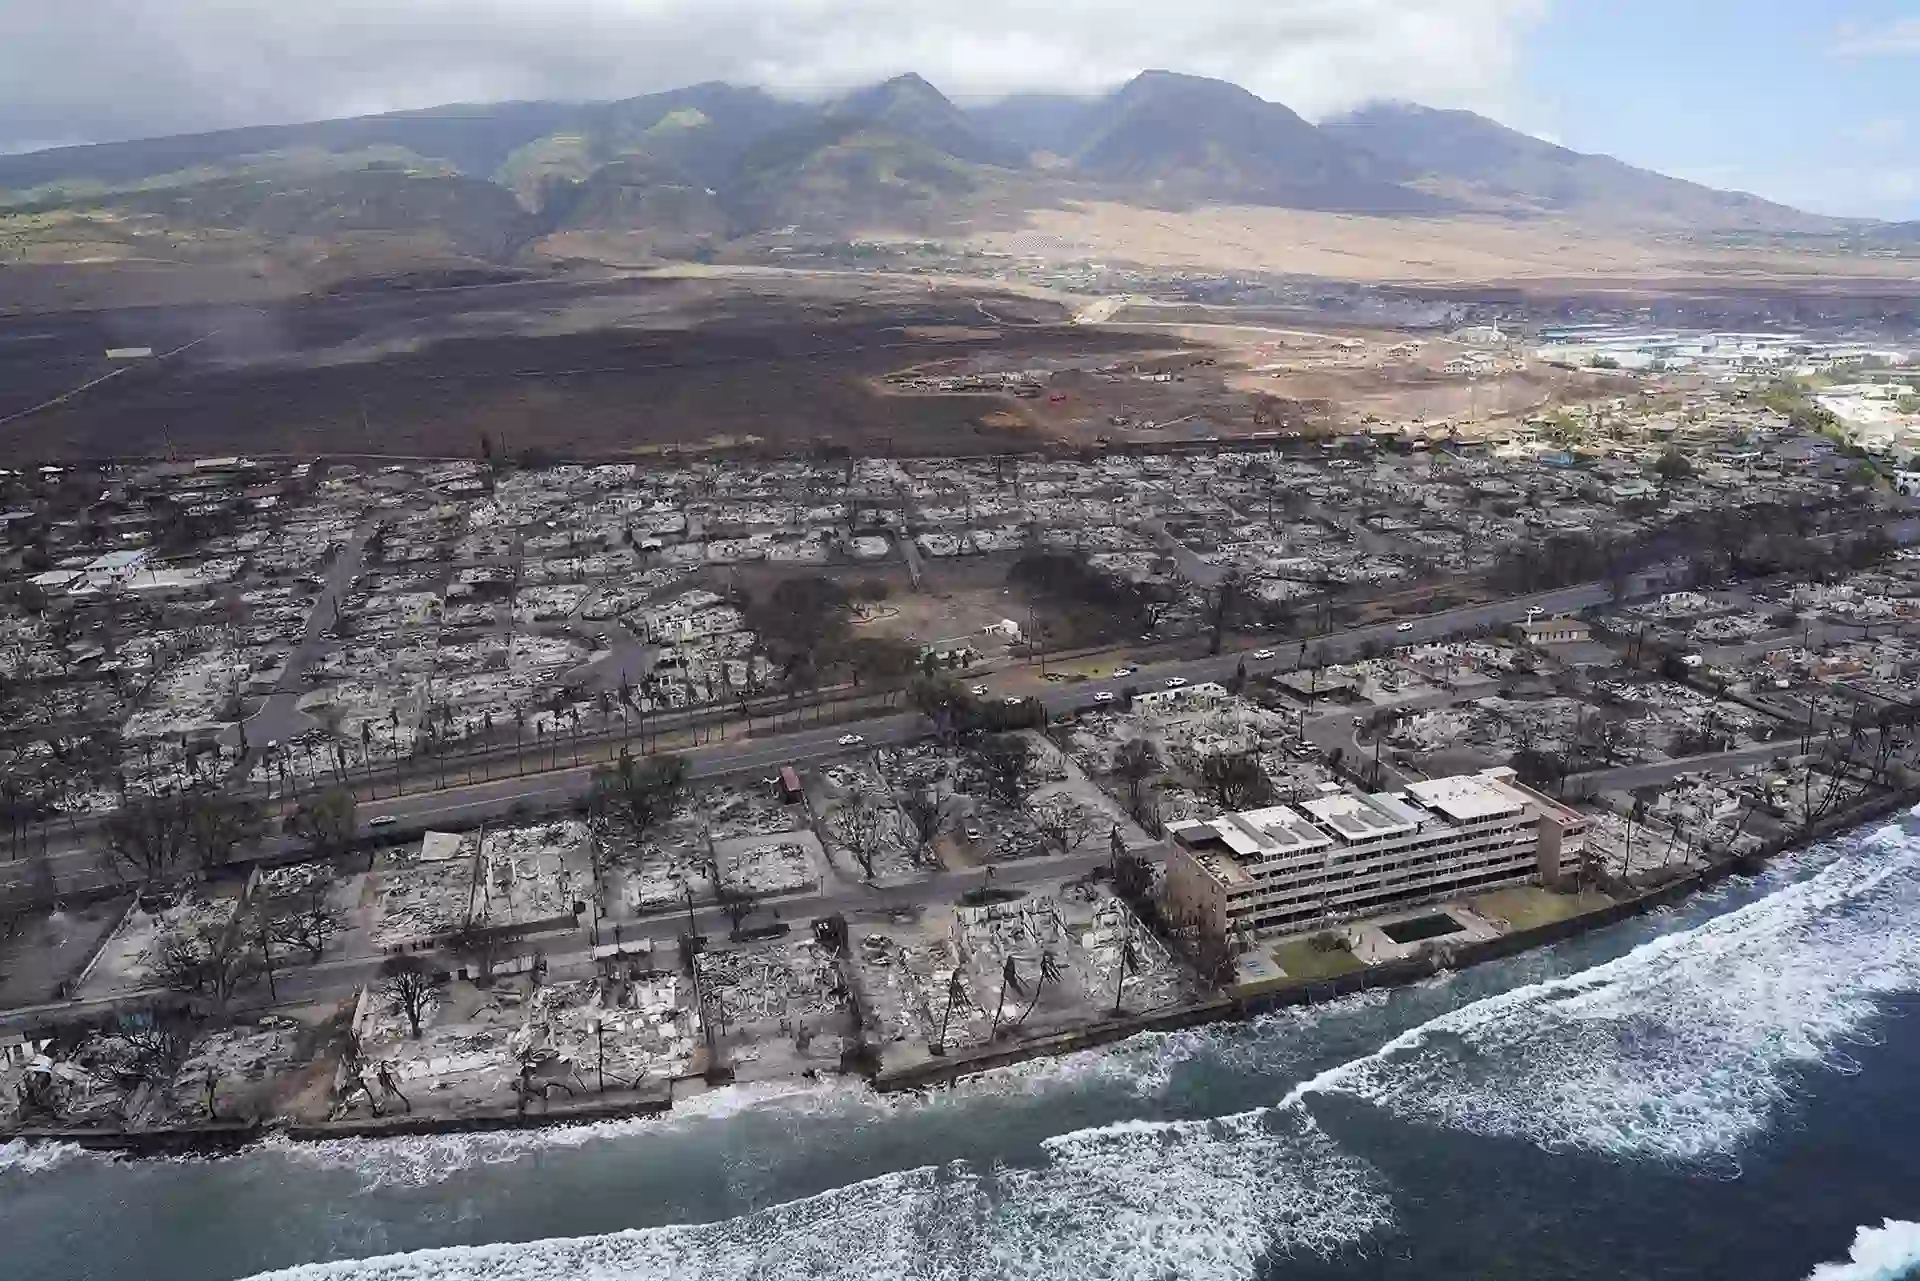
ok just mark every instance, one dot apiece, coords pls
pixel 939 1045
pixel 1643 797
pixel 1136 760
pixel 393 720
pixel 1009 982
pixel 1049 972
pixel 1129 963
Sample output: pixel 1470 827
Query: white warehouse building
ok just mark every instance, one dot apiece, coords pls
pixel 1280 869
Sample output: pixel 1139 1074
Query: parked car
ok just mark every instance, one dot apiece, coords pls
pixel 1404 627
pixel 385 820
pixel 978 691
pixel 851 740
pixel 1263 654
pixel 1104 696
pixel 1176 682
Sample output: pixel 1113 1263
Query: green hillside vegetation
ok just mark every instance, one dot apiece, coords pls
pixel 642 194
pixel 558 157
pixel 674 121
pixel 472 216
pixel 703 130
pixel 862 178
pixel 466 138
pixel 290 165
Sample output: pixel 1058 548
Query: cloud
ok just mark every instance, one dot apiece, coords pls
pixel 1898 38
pixel 104 69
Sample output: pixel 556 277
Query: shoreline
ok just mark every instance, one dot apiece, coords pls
pixel 230 1138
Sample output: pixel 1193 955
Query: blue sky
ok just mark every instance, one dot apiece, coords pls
pixel 1811 102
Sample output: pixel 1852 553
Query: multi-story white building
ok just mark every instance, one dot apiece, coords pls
pixel 1345 855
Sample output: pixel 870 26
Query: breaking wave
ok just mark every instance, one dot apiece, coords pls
pixel 414 1161
pixel 1146 1065
pixel 19 1156
pixel 1682 1048
pixel 1201 1200
pixel 1143 1067
pixel 1889 1252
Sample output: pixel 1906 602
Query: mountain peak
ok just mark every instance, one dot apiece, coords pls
pixel 908 106
pixel 911 90
pixel 1192 137
pixel 1196 89
pixel 911 80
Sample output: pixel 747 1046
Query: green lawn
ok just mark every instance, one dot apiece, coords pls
pixel 1302 961
pixel 1525 907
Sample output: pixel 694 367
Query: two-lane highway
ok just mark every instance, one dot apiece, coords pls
pixel 78 864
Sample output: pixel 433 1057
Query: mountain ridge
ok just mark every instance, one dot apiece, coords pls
pixel 1547 178
pixel 706 163
pixel 1192 137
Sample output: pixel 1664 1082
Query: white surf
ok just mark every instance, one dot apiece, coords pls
pixel 1683 1048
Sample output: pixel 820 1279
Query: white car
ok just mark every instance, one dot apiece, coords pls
pixel 1176 682
pixel 1104 696
pixel 385 820
pixel 1122 671
pixel 1404 627
pixel 978 691
pixel 851 740
pixel 1263 654
pixel 1012 701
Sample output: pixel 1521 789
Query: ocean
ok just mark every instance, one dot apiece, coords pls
pixel 1722 1089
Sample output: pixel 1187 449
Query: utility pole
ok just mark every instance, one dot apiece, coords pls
pixel 266 953
pixel 473 875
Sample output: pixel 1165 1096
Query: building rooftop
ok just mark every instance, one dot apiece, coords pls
pixel 1265 833
pixel 1358 818
pixel 113 561
pixel 1466 798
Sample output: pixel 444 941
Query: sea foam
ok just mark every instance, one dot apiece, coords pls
pixel 1201 1200
pixel 21 1157
pixel 1684 1047
pixel 414 1161
pixel 1889 1252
